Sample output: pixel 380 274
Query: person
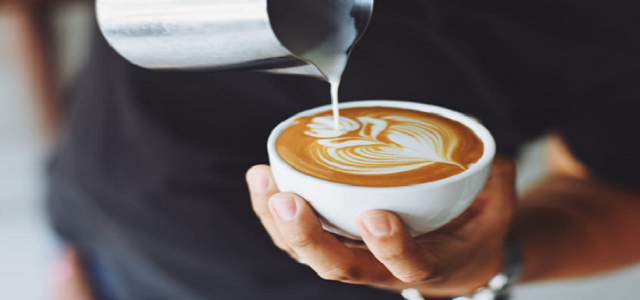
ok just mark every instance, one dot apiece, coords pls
pixel 148 180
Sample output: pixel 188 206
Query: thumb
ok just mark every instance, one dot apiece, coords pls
pixel 494 205
pixel 389 241
pixel 500 189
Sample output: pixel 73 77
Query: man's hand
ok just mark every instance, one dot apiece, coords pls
pixel 451 261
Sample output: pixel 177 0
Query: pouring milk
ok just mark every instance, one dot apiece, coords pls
pixel 321 32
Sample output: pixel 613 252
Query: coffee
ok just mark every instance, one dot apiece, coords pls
pixel 379 147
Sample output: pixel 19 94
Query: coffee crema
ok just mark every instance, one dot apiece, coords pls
pixel 379 147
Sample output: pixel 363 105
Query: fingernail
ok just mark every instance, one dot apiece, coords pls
pixel 259 184
pixel 286 208
pixel 377 224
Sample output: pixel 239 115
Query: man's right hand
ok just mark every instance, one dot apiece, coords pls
pixel 454 260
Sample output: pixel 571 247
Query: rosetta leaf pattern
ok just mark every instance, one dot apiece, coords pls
pixel 375 146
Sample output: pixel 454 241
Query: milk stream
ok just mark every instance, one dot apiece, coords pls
pixel 335 87
pixel 321 32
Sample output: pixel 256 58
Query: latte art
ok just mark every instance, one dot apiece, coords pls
pixel 378 146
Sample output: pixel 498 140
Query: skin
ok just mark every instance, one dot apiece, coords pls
pixel 570 226
pixel 450 261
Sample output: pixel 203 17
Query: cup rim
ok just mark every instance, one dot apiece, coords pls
pixel 473 124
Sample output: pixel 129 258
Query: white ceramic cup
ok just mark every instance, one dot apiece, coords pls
pixel 422 207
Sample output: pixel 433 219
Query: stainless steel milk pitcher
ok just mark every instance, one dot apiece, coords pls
pixel 224 34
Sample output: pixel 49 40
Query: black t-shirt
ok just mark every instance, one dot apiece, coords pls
pixel 150 173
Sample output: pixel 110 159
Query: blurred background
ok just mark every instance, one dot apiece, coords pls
pixel 28 248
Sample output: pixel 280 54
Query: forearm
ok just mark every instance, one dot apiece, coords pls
pixel 574 228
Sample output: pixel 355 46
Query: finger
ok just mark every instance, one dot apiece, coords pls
pixel 395 248
pixel 321 250
pixel 493 206
pixel 262 187
pixel 499 194
pixel 501 179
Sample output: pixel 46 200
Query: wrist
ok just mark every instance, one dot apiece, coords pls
pixel 500 286
pixel 470 275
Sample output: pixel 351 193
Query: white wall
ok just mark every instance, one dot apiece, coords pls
pixel 28 249
pixel 25 243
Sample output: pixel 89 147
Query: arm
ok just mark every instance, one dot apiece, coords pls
pixel 571 225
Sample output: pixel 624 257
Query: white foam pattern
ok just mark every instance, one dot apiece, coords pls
pixel 377 146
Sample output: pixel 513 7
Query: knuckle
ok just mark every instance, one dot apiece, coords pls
pixel 505 166
pixel 293 255
pixel 418 276
pixel 400 253
pixel 289 252
pixel 282 246
pixel 281 195
pixel 258 170
pixel 343 273
pixel 262 212
pixel 301 241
